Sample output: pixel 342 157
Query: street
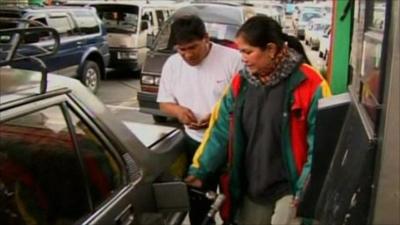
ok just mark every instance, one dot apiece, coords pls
pixel 118 92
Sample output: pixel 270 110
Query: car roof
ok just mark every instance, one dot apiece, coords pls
pixel 18 84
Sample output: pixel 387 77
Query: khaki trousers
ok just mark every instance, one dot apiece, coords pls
pixel 280 212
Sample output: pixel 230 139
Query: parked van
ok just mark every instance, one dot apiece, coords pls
pixel 128 24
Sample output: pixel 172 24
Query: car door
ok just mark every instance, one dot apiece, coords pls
pixel 67 59
pixel 55 168
pixel 112 190
pixel 89 30
pixel 146 26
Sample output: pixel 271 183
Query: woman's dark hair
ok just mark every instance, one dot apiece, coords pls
pixel 260 30
pixel 187 28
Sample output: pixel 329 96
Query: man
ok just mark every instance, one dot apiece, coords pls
pixel 191 83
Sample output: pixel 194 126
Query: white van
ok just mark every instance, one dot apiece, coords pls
pixel 128 23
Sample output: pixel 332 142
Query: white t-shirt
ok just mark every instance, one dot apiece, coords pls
pixel 198 87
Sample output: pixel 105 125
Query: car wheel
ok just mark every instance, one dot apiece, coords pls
pixel 160 119
pixel 91 75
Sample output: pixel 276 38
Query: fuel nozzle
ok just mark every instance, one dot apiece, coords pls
pixel 218 200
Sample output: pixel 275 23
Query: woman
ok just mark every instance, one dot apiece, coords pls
pixel 261 131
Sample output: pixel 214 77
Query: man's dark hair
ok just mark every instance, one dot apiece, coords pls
pixel 187 28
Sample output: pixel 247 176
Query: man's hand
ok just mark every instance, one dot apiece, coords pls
pixel 202 124
pixel 185 116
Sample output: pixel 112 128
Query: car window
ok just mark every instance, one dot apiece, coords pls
pixel 103 172
pixel 164 42
pixel 221 31
pixel 41 175
pixel 38 36
pixel 148 15
pixel 62 24
pixel 119 18
pixel 215 14
pixel 160 17
pixel 218 32
pixel 87 22
pixel 307 16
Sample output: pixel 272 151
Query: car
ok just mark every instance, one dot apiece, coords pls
pixel 269 12
pixel 278 8
pixel 127 25
pixel 325 43
pixel 273 7
pixel 314 32
pixel 83 51
pixel 66 159
pixel 222 21
pixel 303 19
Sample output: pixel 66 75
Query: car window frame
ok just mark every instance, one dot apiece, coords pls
pixel 41 103
pixel 101 136
pixel 113 144
pixel 99 213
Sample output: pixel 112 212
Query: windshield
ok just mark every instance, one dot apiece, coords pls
pixel 307 16
pixel 214 13
pixel 277 8
pixel 221 23
pixel 221 31
pixel 312 8
pixel 118 18
pixel 320 26
pixel 218 33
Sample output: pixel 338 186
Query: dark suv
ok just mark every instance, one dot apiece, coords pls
pixel 66 159
pixel 83 51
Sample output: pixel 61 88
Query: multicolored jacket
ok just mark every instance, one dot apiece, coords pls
pixel 305 87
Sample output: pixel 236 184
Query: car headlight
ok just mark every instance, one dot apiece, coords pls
pixel 157 81
pixel 127 55
pixel 146 79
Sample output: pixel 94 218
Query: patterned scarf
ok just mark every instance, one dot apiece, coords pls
pixel 285 65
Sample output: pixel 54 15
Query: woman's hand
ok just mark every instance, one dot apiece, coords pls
pixel 193 181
